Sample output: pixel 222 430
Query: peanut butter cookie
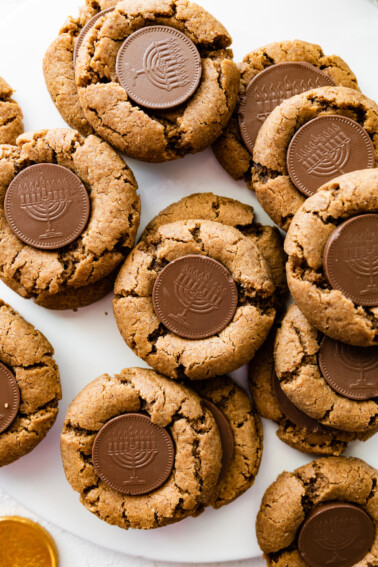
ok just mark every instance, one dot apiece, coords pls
pixel 11 125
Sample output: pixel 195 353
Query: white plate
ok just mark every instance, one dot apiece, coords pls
pixel 87 343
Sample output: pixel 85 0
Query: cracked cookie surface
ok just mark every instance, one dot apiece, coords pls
pixel 322 442
pixel 193 429
pixel 227 211
pixel 157 136
pixel 67 277
pixel 292 497
pixel 247 432
pixel 229 148
pixel 296 361
pixel 29 355
pixel 326 308
pixel 274 189
pixel 165 351
pixel 11 125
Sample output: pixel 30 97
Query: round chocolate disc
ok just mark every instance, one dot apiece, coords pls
pixel 88 26
pixel 294 414
pixel 338 534
pixel 226 435
pixel 9 398
pixel 271 87
pixel 47 206
pixel 350 259
pixel 133 455
pixel 159 67
pixel 195 297
pixel 350 370
pixel 326 147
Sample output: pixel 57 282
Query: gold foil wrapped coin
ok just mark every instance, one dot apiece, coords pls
pixel 23 542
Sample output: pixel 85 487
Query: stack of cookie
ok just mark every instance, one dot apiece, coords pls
pixel 204 290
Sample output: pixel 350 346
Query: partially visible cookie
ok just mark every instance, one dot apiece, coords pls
pixel 11 125
pixel 313 438
pixel 177 437
pixel 247 434
pixel 295 497
pixel 348 317
pixel 207 318
pixel 323 158
pixel 234 213
pixel 65 277
pixel 230 149
pixel 297 349
pixel 26 355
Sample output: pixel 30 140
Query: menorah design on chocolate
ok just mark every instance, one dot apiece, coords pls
pixel 270 96
pixel 326 154
pixel 197 293
pixel 336 535
pixel 163 64
pixel 361 255
pixel 359 362
pixel 45 201
pixel 133 450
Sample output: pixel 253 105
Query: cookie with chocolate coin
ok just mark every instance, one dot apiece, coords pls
pixel 142 450
pixel 323 513
pixel 195 299
pixel 11 125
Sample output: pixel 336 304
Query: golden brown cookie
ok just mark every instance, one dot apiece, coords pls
pixel 11 125
pixel 197 446
pixel 296 357
pixel 227 211
pixel 230 149
pixel 166 351
pixel 28 355
pixel 152 135
pixel 313 438
pixel 326 307
pixel 274 188
pixel 58 66
pixel 67 277
pixel 290 500
pixel 247 434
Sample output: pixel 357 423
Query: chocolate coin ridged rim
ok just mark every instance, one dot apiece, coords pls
pixel 205 326
pixel 330 267
pixel 336 533
pixel 226 435
pixel 124 72
pixel 33 208
pixel 145 423
pixel 364 162
pixel 29 537
pixel 348 365
pixel 293 66
pixel 14 404
pixel 88 26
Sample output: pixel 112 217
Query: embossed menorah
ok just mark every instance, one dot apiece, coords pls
pixel 361 362
pixel 197 293
pixel 163 64
pixel 335 536
pixel 132 451
pixel 327 153
pixel 270 96
pixel 361 255
pixel 45 201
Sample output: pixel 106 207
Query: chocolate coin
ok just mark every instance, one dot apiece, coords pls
pixel 159 67
pixel 271 87
pixel 195 297
pixel 9 398
pixel 227 437
pixel 25 543
pixel 326 147
pixel 337 533
pixel 133 455
pixel 350 259
pixel 47 206
pixel 88 26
